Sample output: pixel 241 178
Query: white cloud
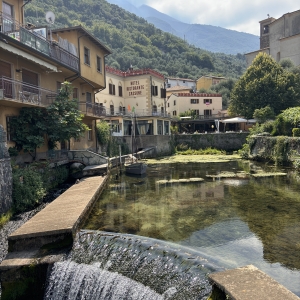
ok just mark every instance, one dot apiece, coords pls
pixel 240 15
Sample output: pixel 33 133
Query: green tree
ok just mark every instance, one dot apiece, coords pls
pixel 60 121
pixel 64 120
pixel 264 83
pixel 29 129
pixel 264 114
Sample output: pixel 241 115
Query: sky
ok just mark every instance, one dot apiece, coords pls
pixel 240 15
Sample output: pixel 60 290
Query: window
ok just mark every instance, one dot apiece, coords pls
pixel 168 85
pixel 9 131
pixel 154 90
pixel 207 112
pixel 90 133
pixel 88 97
pixel 8 9
pixel 58 86
pixel 112 89
pixel 30 78
pixel 99 64
pixel 194 101
pixel 75 93
pixel 159 127
pixel 154 109
pixel 163 93
pixel 120 91
pixel 195 112
pixel 174 113
pixel 112 109
pixel 86 56
pixel 266 29
pixel 174 102
pixel 168 104
pixel 207 101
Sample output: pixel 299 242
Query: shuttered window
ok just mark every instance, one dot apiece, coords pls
pixel 31 78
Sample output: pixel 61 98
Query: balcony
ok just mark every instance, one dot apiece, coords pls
pixel 137 113
pixel 15 30
pixel 92 109
pixel 18 91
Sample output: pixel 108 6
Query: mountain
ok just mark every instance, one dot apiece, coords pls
pixel 208 37
pixel 134 41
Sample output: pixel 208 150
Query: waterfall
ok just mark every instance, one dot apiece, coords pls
pixel 106 265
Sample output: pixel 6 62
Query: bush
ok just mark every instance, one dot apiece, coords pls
pixel 28 189
pixel 296 132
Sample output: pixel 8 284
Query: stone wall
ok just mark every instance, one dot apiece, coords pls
pixel 223 141
pixel 5 175
pixel 88 158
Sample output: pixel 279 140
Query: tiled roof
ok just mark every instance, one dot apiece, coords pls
pixel 197 95
pixel 133 72
pixel 182 79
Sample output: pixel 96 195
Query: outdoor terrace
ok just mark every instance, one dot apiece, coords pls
pixel 32 39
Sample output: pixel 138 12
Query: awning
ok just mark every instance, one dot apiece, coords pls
pixel 28 56
pixel 234 120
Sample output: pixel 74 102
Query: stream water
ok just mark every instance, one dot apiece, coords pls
pixel 153 238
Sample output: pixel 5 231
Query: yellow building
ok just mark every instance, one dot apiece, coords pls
pixel 34 62
pixel 205 82
pixel 135 92
pixel 177 89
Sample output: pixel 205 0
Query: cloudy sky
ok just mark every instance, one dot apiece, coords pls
pixel 240 15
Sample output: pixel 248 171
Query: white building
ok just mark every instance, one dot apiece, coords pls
pixel 172 81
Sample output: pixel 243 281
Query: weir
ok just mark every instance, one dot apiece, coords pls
pixel 104 265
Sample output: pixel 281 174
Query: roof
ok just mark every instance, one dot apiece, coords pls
pixel 210 76
pixel 183 79
pixel 83 31
pixel 197 95
pixel 134 72
pixel 178 88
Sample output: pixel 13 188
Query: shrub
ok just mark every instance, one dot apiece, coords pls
pixel 296 132
pixel 28 189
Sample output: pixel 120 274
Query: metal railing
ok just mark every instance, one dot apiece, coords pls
pixel 92 109
pixel 28 37
pixel 137 113
pixel 25 93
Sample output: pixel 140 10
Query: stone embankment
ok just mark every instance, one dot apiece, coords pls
pixel 44 238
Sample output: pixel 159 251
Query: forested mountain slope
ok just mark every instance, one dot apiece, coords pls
pixel 134 41
pixel 208 37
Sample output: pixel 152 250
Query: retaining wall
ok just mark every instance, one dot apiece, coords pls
pixel 5 175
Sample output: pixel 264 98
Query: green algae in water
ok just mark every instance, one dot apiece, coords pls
pixel 236 220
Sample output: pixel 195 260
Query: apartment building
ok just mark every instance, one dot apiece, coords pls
pixel 135 93
pixel 279 38
pixel 204 109
pixel 206 82
pixel 34 62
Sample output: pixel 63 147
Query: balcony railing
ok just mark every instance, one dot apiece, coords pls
pixel 19 91
pixel 92 109
pixel 137 113
pixel 14 29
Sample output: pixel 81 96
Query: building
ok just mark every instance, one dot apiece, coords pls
pixel 204 110
pixel 138 93
pixel 205 82
pixel 174 81
pixel 279 38
pixel 177 89
pixel 34 62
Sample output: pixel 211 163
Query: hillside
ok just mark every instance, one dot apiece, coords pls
pixel 134 41
pixel 208 37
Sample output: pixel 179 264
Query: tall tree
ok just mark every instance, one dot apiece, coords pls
pixel 264 83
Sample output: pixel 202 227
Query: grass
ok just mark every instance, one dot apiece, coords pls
pixel 204 158
pixel 4 218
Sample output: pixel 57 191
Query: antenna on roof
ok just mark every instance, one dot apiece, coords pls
pixel 50 18
pixel 268 15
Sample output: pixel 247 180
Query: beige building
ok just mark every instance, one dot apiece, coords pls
pixel 205 82
pixel 138 93
pixel 279 38
pixel 34 64
pixel 177 89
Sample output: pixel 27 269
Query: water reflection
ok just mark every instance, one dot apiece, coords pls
pixel 236 221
